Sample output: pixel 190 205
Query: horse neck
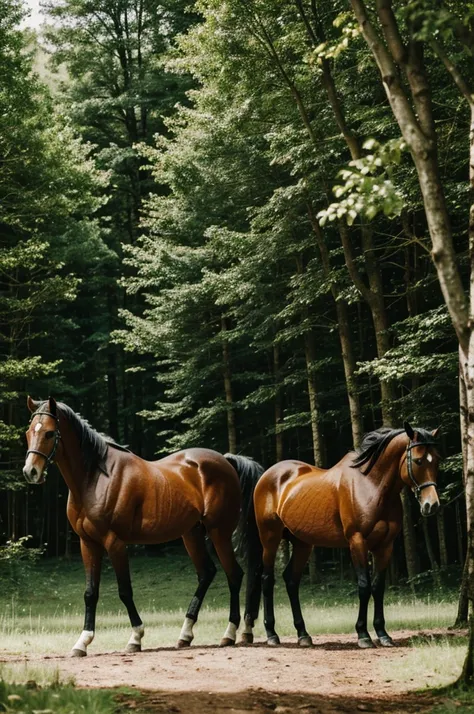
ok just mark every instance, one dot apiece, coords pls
pixel 70 461
pixel 386 471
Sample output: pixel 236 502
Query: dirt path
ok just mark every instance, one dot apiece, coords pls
pixel 334 676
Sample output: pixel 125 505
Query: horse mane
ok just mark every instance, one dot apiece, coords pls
pixel 94 446
pixel 375 442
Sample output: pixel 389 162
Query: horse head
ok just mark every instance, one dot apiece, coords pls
pixel 43 438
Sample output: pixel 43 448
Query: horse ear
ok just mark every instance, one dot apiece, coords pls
pixel 32 404
pixel 409 430
pixel 52 406
pixel 435 432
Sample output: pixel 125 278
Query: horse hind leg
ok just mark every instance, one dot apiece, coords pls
pixel 359 555
pixel 254 585
pixel 117 552
pixel 195 544
pixel 270 535
pixel 381 561
pixel 222 540
pixel 292 577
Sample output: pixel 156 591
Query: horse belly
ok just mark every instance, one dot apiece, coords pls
pixel 312 516
pixel 158 525
pixel 158 514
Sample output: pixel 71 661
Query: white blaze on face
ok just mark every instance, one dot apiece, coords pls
pixel 38 426
pixel 429 458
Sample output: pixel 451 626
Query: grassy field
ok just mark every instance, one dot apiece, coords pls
pixel 45 613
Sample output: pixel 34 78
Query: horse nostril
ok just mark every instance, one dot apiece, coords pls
pixel 33 472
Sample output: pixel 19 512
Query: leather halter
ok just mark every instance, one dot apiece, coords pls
pixel 57 436
pixel 418 487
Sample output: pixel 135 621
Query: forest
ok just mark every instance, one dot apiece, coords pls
pixel 246 225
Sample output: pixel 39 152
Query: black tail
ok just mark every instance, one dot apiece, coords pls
pixel 246 537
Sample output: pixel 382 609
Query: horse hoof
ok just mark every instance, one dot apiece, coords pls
pixel 78 653
pixel 365 643
pixel 181 644
pixel 227 642
pixel 273 641
pixel 247 638
pixel 133 648
pixel 386 641
pixel 305 641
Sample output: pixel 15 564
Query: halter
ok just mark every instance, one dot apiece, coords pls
pixel 57 436
pixel 418 486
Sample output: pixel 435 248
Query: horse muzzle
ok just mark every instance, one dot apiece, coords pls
pixel 429 502
pixel 34 475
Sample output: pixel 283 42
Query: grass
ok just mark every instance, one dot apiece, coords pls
pixel 58 699
pixel 43 614
pixel 46 614
pixel 39 690
pixel 435 661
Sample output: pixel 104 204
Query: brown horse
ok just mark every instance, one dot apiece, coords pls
pixel 344 506
pixel 116 498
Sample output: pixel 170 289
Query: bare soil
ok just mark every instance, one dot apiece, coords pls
pixel 333 676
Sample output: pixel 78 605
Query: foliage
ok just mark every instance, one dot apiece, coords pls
pixel 170 277
pixel 56 699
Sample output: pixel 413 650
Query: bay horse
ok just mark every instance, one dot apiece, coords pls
pixel 115 498
pixel 345 506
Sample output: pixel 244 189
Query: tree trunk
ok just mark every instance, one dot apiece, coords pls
pixel 285 551
pixel 459 533
pixel 231 429
pixel 278 405
pixel 431 555
pixel 313 568
pixel 112 397
pixel 443 549
pixel 467 366
pixel 409 540
pixel 345 336
pixel 463 603
pixel 310 354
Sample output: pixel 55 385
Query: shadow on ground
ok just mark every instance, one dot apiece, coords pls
pixel 258 701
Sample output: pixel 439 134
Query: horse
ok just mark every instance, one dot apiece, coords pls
pixel 354 504
pixel 116 498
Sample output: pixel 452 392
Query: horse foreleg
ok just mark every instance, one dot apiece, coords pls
pixel 195 543
pixel 292 577
pixel 117 551
pixel 359 555
pixel 92 558
pixel 381 561
pixel 222 540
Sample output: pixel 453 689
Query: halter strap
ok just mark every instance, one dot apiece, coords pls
pixel 418 487
pixel 57 436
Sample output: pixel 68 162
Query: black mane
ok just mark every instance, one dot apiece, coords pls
pixel 94 446
pixel 375 442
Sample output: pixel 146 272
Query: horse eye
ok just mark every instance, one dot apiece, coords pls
pixel 49 434
pixel 418 462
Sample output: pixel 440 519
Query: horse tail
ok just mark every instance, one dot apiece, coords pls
pixel 246 537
